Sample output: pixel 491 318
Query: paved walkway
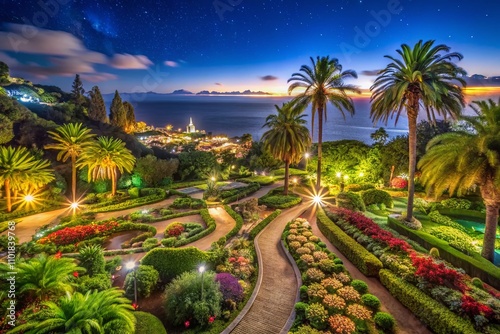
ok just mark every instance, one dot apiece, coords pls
pixel 408 323
pixel 275 300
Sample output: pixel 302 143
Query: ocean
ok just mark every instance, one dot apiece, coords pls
pixel 236 115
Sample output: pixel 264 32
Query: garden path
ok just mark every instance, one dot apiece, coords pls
pixel 277 285
pixel 406 320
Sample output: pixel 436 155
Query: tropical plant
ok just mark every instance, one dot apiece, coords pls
pixel 104 158
pixel 423 77
pixel 70 139
pixel 287 138
pixel 94 312
pixel 458 161
pixel 92 259
pixel 21 170
pixel 323 83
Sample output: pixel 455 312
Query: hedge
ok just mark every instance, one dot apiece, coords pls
pixel 171 262
pixel 431 312
pixel 262 180
pixel 147 323
pixel 175 215
pixel 474 265
pixel 131 203
pixel 365 261
pixel 187 184
pixel 241 192
pixel 280 201
pixel 237 227
pixel 263 223
pixel 209 221
pixel 377 196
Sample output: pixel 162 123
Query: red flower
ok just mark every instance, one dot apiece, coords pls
pixel 58 255
pixel 232 259
pixel 211 319
pixel 187 323
pixel 135 306
pixel 75 274
pixel 473 308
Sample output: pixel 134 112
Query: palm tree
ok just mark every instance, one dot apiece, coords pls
pixel 20 169
pixel 323 83
pixel 423 77
pixel 46 276
pixel 458 161
pixel 105 157
pixel 71 139
pixel 95 312
pixel 287 138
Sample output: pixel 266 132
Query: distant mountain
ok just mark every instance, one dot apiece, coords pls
pixel 481 80
pixel 246 92
pixel 181 92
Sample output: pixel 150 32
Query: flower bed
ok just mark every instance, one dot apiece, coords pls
pixel 72 235
pixel 437 279
pixel 330 298
pixel 177 233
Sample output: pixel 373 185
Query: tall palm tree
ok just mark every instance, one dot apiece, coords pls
pixel 71 139
pixel 287 138
pixel 19 168
pixel 426 77
pixel 46 276
pixel 458 161
pixel 105 157
pixel 95 312
pixel 323 83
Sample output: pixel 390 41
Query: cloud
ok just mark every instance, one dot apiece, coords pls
pixel 218 84
pixel 171 63
pixel 98 77
pixel 269 78
pixel 131 62
pixel 370 73
pixel 8 59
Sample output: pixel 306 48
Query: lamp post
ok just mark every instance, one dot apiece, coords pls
pixel 201 269
pixel 131 266
pixel 306 155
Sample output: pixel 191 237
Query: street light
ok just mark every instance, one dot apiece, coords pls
pixel 29 198
pixel 131 266
pixel 306 155
pixel 201 269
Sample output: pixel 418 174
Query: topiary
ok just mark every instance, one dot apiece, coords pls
pixel 377 196
pixel 147 278
pixel 371 301
pixel 350 201
pixel 384 321
pixel 134 192
pixel 360 286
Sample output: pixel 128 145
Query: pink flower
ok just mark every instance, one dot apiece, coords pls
pixel 187 323
pixel 211 319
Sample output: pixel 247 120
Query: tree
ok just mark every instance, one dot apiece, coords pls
pixel 94 312
pixel 70 139
pixel 426 131
pixel 459 161
pixel 380 136
pixel 196 164
pixel 19 169
pixel 97 110
pixel 153 170
pixel 4 73
pixel 104 158
pixel 323 83
pixel 129 117
pixel 77 92
pixel 287 138
pixel 117 116
pixel 424 76
pixel 394 157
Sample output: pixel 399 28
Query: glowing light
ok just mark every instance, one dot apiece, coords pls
pixel 212 178
pixel 144 211
pixel 294 180
pixel 201 269
pixel 361 174
pixel 346 177
pixel 74 205
pixel 29 198
pixel 130 265
pixel 307 155
pixel 339 174
pixel 317 199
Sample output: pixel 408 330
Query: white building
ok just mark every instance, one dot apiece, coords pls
pixel 190 128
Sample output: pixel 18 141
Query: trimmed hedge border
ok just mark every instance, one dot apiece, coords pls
pixel 267 200
pixel 187 184
pixel 437 316
pixel 263 223
pixel 475 265
pixel 237 227
pixel 131 203
pixel 365 261
pixel 209 221
pixel 250 189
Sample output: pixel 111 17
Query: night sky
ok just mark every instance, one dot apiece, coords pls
pixel 230 45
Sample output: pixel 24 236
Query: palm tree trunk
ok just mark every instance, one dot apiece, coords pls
pixel 113 183
pixel 73 178
pixel 287 176
pixel 320 145
pixel 491 198
pixel 412 148
pixel 7 195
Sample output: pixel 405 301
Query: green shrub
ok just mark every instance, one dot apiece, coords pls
pixel 457 239
pixel 456 203
pixel 360 286
pixel 376 196
pixel 438 218
pixel 232 195
pixel 434 252
pixel 169 242
pixel 280 201
pixel 431 312
pixel 150 243
pixel 99 282
pixel 92 259
pixel 317 315
pixel 147 278
pixel 359 187
pixel 477 283
pixel 183 300
pixel 111 265
pixel 262 180
pixel 371 302
pixel 366 262
pixel 188 203
pixel 384 321
pixel 238 219
pixel 306 329
pixel 146 323
pixel 301 308
pixel 351 201
pixel 171 262
pixel 263 223
pixel 134 192
pixel 165 212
